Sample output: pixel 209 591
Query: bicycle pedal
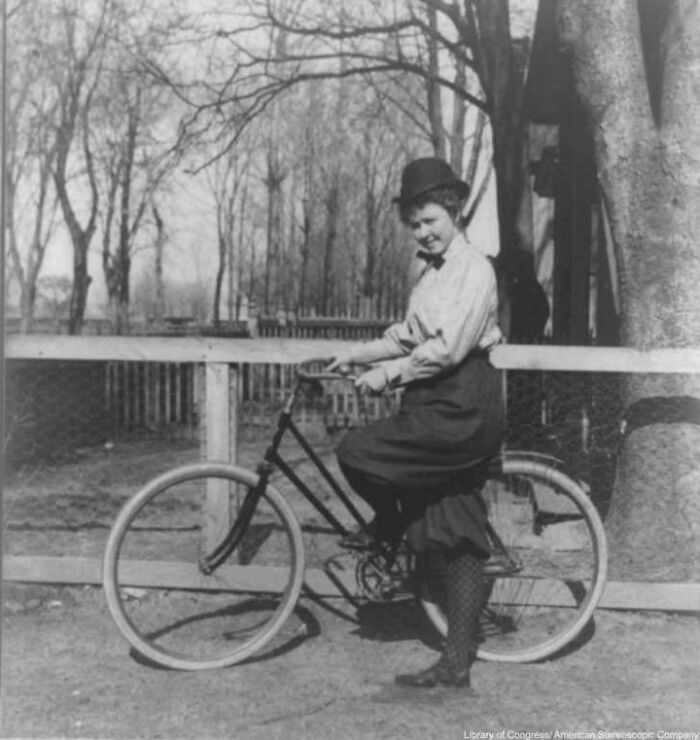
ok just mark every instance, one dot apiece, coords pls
pixel 388 592
pixel 500 565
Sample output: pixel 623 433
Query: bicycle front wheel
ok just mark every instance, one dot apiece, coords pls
pixel 554 534
pixel 163 603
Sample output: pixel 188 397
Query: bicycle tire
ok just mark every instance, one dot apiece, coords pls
pixel 161 601
pixel 536 613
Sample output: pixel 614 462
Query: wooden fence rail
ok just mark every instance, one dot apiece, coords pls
pixel 290 351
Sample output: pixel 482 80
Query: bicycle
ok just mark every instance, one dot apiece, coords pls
pixel 193 592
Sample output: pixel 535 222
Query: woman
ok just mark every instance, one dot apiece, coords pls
pixel 420 469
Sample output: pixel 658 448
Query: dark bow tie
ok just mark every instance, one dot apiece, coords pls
pixel 436 260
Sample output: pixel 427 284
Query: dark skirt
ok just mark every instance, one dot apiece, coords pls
pixel 429 454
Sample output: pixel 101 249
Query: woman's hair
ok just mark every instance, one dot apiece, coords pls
pixel 445 197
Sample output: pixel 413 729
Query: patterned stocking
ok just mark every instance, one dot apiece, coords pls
pixel 466 595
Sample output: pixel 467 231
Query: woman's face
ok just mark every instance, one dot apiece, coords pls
pixel 433 227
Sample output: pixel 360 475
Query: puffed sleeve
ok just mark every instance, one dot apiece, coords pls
pixel 397 341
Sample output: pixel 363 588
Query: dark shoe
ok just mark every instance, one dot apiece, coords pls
pixel 438 674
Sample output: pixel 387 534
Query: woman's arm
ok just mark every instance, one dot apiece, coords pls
pixel 397 341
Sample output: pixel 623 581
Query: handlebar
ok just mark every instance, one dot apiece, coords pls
pixel 309 375
pixel 314 378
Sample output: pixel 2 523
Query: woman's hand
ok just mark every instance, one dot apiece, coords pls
pixel 373 381
pixel 340 364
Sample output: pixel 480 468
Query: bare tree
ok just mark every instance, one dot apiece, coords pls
pixel 379 161
pixel 500 64
pixel 228 184
pixel 274 179
pixel 134 166
pixel 308 213
pixel 30 155
pixel 133 146
pixel 78 66
pixel 159 306
pixel 95 79
pixel 118 172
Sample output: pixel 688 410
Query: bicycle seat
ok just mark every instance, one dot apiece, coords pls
pixel 494 466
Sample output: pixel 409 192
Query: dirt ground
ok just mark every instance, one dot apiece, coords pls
pixel 66 671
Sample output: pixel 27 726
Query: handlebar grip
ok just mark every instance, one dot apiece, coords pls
pixel 310 375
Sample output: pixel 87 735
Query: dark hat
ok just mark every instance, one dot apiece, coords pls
pixel 428 173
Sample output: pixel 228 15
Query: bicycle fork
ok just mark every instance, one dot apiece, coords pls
pixel 210 562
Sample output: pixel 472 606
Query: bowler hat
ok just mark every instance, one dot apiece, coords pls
pixel 428 173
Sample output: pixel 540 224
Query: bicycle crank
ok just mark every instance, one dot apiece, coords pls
pixel 381 581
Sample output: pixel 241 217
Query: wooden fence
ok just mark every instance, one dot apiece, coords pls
pixel 151 395
pixel 145 394
pixel 220 359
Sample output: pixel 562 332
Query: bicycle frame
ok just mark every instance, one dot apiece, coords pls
pixel 272 460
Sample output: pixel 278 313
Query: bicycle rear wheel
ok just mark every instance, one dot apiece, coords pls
pixel 553 532
pixel 165 606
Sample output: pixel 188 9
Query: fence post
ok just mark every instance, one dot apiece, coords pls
pixel 220 413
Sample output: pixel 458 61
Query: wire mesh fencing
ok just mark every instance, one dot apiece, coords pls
pixel 56 408
pixel 83 436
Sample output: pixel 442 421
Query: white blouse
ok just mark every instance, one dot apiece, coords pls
pixel 452 310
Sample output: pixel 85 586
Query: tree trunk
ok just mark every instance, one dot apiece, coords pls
pixel 27 304
pixel 232 287
pixel 119 284
pixel 304 253
pixel 158 267
pixel 28 275
pixel 501 70
pixel 372 205
pixel 81 285
pixel 123 260
pixel 80 237
pixel 459 121
pixel 275 178
pixel 433 90
pixel 218 284
pixel 649 175
pixel 332 201
pixel 237 262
